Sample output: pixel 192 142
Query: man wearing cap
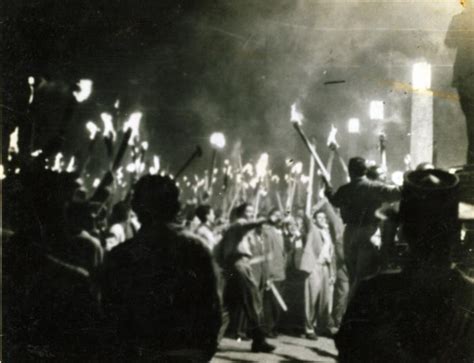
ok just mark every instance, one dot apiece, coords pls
pixel 358 200
pixel 160 290
pixel 424 313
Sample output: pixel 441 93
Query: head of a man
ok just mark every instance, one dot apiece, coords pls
pixel 156 199
pixel 275 216
pixel 205 213
pixel 245 211
pixel 321 220
pixel 357 167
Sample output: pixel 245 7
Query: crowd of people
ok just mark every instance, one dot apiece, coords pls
pixel 145 280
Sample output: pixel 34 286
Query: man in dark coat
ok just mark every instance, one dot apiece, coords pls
pixel 426 312
pixel 160 287
pixel 358 200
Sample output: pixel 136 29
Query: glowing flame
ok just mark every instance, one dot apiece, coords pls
pixel 117 104
pixel 332 137
pixel 133 123
pixel 85 90
pixel 262 164
pixel 120 175
pixel 93 129
pixel 36 153
pixel 57 162
pixel 145 145
pixel 109 130
pixel 156 165
pixel 296 115
pixel 13 145
pixel 297 168
pixel 96 182
pixel 31 82
pixel 217 139
pixel 397 178
pixel 248 168
pixel 71 167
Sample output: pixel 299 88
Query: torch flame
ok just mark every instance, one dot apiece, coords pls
pixel 93 129
pixel 109 130
pixel 13 145
pixel 332 138
pixel 117 104
pixel 156 165
pixel 71 167
pixel 85 90
pixel 297 168
pixel 133 123
pixel 296 115
pixel 261 166
pixel 57 162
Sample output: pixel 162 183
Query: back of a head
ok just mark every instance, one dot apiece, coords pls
pixel 156 199
pixel 239 211
pixel 429 212
pixel 357 167
pixel 202 212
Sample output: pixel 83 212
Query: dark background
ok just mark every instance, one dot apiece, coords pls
pixel 194 67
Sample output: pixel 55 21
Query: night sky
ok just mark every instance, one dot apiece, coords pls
pixel 193 67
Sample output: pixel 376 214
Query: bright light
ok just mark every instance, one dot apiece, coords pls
pixel 57 162
pixel 13 145
pixel 332 137
pixel 93 129
pixel 70 168
pixel 131 167
pixel 2 172
pixel 376 110
pixel 296 115
pixel 421 76
pixel 117 104
pixel 31 81
pixel 109 130
pixel 218 140
pixel 353 126
pixel 397 178
pixel 133 123
pixel 36 153
pixel 297 168
pixel 156 165
pixel 145 145
pixel 262 164
pixel 85 90
pixel 96 182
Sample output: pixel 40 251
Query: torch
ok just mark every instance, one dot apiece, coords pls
pixel 261 170
pixel 217 140
pixel 196 154
pixel 109 133
pixel 296 120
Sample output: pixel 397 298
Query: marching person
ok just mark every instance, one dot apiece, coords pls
pixel 242 288
pixel 358 200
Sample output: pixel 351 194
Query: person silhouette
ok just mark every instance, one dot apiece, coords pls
pixel 460 36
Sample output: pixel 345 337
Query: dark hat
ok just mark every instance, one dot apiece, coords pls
pixel 429 196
